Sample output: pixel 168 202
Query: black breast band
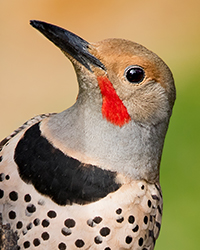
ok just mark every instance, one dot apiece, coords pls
pixel 64 179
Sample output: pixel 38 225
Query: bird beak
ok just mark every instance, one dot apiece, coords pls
pixel 70 43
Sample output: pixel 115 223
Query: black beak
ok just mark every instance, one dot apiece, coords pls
pixel 68 42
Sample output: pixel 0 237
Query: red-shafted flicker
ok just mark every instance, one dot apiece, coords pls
pixel 88 177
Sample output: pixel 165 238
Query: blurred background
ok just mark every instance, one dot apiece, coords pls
pixel 36 78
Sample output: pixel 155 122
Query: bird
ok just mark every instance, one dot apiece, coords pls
pixel 88 177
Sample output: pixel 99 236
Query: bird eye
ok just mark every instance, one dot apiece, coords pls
pixel 134 74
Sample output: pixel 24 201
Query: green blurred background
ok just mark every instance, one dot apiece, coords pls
pixel 36 78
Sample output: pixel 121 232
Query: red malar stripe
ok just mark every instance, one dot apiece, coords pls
pixel 113 108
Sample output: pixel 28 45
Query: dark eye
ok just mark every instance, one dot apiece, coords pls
pixel 134 74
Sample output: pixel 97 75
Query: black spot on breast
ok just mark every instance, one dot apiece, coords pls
pixel 64 179
pixel 45 236
pixel 1 193
pixel 51 214
pixel 131 219
pixel 119 211
pixel 12 215
pixel 36 242
pixel 140 242
pixel 151 233
pixel 45 223
pixel 120 219
pixel 149 203
pixel 159 210
pixel 62 246
pixel 135 229
pixel 19 225
pixel 13 195
pixel 91 223
pixel 26 244
pixel 145 220
pixel 27 198
pixel 158 225
pixel 79 243
pixel 155 197
pixel 24 231
pixel 29 226
pixel 105 231
pixel 31 208
pixel 98 240
pixel 36 222
pixel 7 177
pixel 97 219
pixel 2 176
pixel 159 190
pixel 66 231
pixel 128 239
pixel 69 223
pixel 41 202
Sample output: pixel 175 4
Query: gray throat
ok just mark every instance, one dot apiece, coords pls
pixel 133 150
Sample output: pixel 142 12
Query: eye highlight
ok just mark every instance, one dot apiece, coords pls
pixel 134 74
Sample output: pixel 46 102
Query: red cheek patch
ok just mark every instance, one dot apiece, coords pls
pixel 113 108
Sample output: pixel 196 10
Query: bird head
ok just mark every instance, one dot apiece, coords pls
pixel 135 84
pixel 131 88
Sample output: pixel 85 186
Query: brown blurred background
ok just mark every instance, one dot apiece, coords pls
pixel 36 78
